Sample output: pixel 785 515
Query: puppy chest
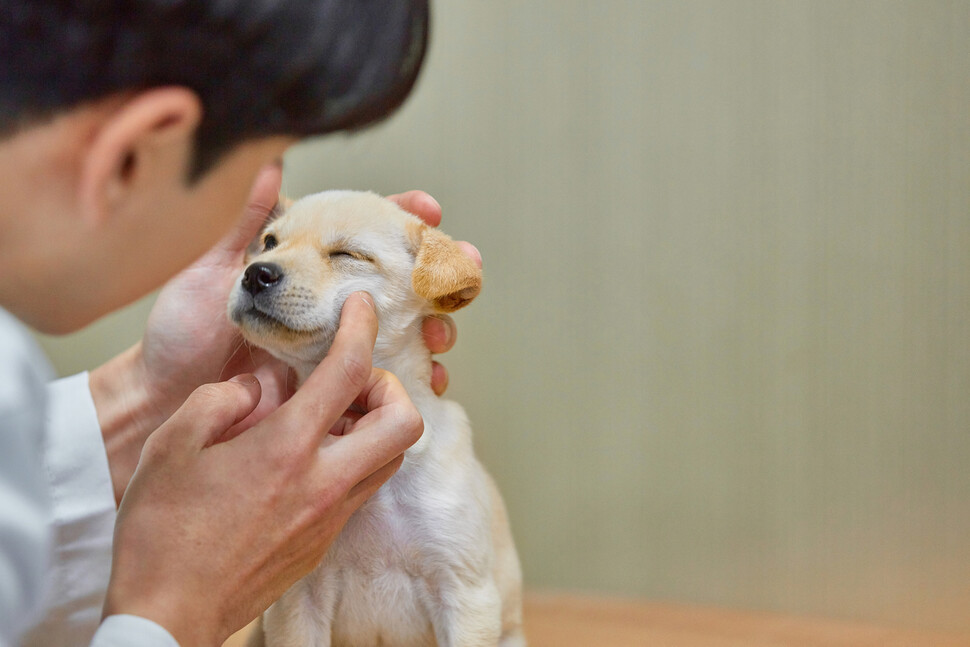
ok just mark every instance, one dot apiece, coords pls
pixel 382 598
pixel 389 609
pixel 378 538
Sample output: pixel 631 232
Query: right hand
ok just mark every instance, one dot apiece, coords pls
pixel 214 526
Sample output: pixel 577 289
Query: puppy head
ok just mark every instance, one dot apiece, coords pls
pixel 324 247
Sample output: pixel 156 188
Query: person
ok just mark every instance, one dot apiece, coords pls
pixel 132 135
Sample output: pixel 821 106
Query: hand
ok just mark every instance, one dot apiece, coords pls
pixel 214 527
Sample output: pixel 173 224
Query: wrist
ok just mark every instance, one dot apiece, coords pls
pixel 128 411
pixel 187 630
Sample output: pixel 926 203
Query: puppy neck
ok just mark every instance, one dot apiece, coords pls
pixel 408 358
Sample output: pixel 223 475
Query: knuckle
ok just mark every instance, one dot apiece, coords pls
pixel 410 422
pixel 217 400
pixel 384 379
pixel 207 396
pixel 355 370
pixel 157 447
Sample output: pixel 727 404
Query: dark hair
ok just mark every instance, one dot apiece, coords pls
pixel 260 67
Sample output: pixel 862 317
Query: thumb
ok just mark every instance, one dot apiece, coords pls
pixel 213 409
pixel 337 381
pixel 262 201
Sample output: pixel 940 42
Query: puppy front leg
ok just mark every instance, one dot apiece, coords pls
pixel 469 616
pixel 303 616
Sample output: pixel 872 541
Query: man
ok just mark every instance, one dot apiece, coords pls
pixel 130 137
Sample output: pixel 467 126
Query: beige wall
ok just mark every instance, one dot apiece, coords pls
pixel 723 353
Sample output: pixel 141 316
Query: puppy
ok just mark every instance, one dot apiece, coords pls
pixel 429 559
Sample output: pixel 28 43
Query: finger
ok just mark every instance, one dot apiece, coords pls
pixel 340 377
pixel 439 333
pixel 374 441
pixel 212 409
pixel 390 426
pixel 471 252
pixel 278 385
pixel 420 204
pixel 345 424
pixel 263 197
pixel 439 378
pixel 383 389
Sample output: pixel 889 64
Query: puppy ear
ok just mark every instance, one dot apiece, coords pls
pixel 443 274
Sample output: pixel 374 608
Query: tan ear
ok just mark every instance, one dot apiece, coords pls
pixel 443 274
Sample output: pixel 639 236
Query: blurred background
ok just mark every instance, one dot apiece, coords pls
pixel 723 351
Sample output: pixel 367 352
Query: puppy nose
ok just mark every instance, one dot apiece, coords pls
pixel 261 276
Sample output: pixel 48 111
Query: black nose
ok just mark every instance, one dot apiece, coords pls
pixel 261 276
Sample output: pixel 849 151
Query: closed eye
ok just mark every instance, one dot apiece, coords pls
pixel 347 254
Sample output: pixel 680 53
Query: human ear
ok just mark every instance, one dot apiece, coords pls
pixel 148 139
pixel 443 273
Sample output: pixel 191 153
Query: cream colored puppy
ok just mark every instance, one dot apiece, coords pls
pixel 429 559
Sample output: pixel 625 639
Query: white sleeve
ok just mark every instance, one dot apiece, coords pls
pixel 131 631
pixel 54 477
pixel 24 507
pixel 24 534
pixel 82 520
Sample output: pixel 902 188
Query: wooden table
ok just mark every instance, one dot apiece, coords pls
pixel 560 620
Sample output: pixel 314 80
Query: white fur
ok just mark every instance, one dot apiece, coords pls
pixel 429 559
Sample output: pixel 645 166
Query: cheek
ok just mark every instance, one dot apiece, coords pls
pixel 197 226
pixel 221 210
pixel 336 287
pixel 339 291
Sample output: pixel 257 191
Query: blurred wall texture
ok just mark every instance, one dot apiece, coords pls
pixel 723 351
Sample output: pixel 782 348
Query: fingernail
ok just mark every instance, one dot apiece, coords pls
pixel 439 378
pixel 245 378
pixel 471 252
pixel 366 298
